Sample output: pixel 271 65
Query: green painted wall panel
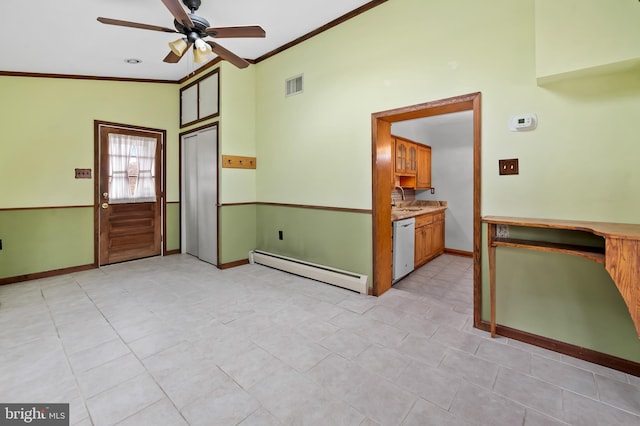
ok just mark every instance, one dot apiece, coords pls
pixel 237 232
pixel 45 239
pixel 173 226
pixel 334 238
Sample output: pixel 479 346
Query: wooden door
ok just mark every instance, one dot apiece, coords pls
pixel 129 194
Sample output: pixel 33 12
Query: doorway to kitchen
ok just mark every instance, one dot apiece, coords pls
pixel 199 189
pixel 383 183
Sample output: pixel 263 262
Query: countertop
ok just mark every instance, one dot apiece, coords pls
pixel 407 209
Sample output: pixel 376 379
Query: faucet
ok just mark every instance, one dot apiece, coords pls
pixel 401 190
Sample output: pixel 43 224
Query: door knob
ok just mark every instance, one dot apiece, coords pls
pixel 105 205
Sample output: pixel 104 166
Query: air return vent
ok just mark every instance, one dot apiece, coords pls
pixel 294 85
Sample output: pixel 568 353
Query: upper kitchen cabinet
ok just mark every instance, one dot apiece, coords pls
pixel 412 164
pixel 406 156
pixel 576 38
pixel 423 172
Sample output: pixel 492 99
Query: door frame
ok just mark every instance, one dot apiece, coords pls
pixel 382 175
pixel 181 136
pixel 96 183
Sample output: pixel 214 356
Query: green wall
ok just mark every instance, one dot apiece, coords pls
pixel 575 37
pixel 173 226
pixel 45 240
pixel 46 131
pixel 326 237
pixel 580 163
pixel 237 232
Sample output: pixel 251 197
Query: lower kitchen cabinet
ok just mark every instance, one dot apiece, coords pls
pixel 429 241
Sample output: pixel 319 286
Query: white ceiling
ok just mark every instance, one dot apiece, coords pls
pixel 64 37
pixel 431 130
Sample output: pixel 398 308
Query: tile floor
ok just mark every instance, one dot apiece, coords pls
pixel 174 341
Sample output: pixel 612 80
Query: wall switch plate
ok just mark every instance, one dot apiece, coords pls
pixel 83 173
pixel 508 167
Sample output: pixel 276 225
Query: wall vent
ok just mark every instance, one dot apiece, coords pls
pixel 294 85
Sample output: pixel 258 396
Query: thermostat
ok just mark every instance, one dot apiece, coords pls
pixel 522 122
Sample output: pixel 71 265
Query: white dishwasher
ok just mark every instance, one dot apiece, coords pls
pixel 403 247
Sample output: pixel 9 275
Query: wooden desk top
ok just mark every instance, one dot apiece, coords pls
pixel 625 231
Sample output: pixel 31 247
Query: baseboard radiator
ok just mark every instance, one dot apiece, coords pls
pixel 326 274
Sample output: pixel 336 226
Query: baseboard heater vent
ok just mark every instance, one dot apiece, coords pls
pixel 337 277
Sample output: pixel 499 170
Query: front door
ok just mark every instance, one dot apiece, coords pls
pixel 129 193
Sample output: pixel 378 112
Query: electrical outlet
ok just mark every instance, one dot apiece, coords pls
pixel 433 190
pixel 83 173
pixel 502 231
pixel 0 244
pixel 508 167
pixel 280 237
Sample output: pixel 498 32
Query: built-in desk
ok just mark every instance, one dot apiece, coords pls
pixel 620 255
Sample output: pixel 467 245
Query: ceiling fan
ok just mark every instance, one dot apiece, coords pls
pixel 194 29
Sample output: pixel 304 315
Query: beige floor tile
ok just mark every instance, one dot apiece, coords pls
pixel 480 406
pixel 172 340
pixel 424 413
pixel 124 400
pixel 162 412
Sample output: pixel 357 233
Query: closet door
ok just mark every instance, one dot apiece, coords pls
pixel 207 197
pixel 190 179
pixel 200 189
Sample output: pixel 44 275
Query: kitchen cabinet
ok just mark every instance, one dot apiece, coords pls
pixel 412 164
pixel 429 237
pixel 423 172
pixel 406 156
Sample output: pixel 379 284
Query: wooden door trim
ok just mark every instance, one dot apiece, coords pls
pixel 218 206
pixel 382 155
pixel 96 182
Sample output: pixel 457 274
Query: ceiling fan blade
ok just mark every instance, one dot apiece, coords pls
pixel 135 25
pixel 172 58
pixel 228 55
pixel 236 32
pixel 178 12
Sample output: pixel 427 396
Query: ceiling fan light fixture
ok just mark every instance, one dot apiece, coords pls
pixel 201 45
pixel 201 55
pixel 179 46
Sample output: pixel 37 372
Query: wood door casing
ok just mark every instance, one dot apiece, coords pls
pixel 382 151
pixel 127 231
